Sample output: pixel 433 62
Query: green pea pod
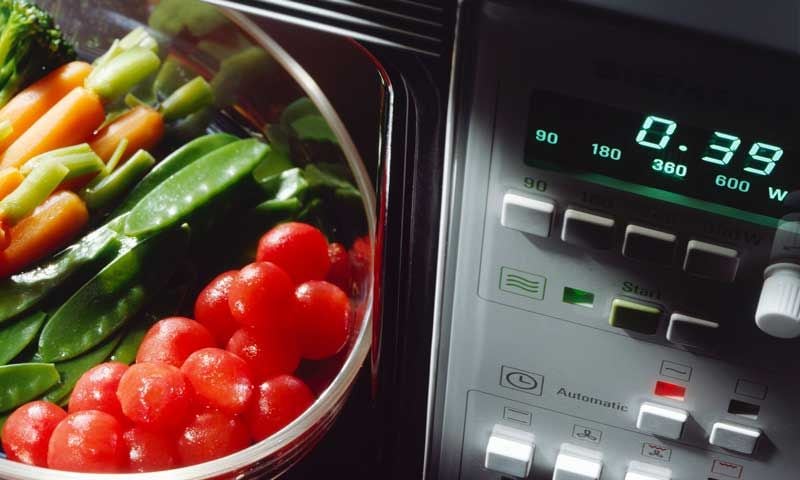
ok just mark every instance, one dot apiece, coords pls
pixel 176 161
pixel 129 346
pixel 195 187
pixel 71 370
pixel 15 337
pixel 112 297
pixel 22 382
pixel 24 290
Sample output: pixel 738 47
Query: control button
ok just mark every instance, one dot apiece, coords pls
pixel 587 230
pixel 666 422
pixel 734 437
pixel 527 214
pixel 691 332
pixel 711 261
pixel 574 463
pixel 509 451
pixel 649 245
pixel 634 316
pixel 778 312
pixel 645 471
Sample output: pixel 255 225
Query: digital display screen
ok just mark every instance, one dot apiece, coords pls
pixel 739 174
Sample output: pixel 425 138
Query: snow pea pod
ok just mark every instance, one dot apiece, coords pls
pixel 129 346
pixel 71 370
pixel 24 290
pixel 22 382
pixel 16 336
pixel 195 186
pixel 112 297
pixel 176 161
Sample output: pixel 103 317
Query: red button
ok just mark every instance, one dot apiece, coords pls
pixel 671 391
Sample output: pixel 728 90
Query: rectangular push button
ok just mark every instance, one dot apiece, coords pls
pixel 527 214
pixel 587 230
pixel 646 244
pixel 711 261
pixel 634 316
pixel 663 421
pixel 734 437
pixel 573 463
pixel 691 332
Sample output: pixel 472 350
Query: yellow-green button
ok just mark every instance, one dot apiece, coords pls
pixel 634 316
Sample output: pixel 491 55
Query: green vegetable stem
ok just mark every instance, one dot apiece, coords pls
pixel 112 297
pixel 189 98
pixel 113 186
pixel 23 382
pixel 80 160
pixel 36 187
pixel 115 78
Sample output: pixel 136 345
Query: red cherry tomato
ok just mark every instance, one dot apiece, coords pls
pixel 259 294
pixel 220 378
pixel 298 248
pixel 210 435
pixel 97 390
pixel 278 402
pixel 340 273
pixel 89 441
pixel 148 451
pixel 172 340
pixel 321 316
pixel 212 309
pixel 154 395
pixel 360 260
pixel 27 432
pixel 319 374
pixel 268 354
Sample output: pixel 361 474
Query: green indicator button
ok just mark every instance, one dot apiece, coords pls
pixel 581 298
pixel 633 316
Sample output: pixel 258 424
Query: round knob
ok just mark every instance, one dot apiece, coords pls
pixel 778 312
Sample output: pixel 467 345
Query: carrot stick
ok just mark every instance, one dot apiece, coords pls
pixel 71 121
pixel 47 229
pixel 10 179
pixel 33 102
pixel 142 126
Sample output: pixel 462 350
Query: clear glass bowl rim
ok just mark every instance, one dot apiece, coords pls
pixel 339 388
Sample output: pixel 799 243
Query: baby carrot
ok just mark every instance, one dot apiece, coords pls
pixel 47 229
pixel 10 179
pixel 30 104
pixel 142 126
pixel 71 121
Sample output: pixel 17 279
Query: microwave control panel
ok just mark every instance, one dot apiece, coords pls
pixel 621 298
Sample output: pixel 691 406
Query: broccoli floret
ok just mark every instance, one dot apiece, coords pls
pixel 31 44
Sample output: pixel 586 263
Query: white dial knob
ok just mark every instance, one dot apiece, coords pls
pixel 778 312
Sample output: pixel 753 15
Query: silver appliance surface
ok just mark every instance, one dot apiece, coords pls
pixel 599 326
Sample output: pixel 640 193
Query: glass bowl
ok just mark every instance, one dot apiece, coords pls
pixel 254 81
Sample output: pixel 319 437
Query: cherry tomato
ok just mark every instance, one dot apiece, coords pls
pixel 154 395
pixel 27 432
pixel 88 441
pixel 278 402
pixel 360 260
pixel 220 378
pixel 321 316
pixel 319 374
pixel 340 273
pixel 298 248
pixel 172 340
pixel 259 295
pixel 97 390
pixel 210 435
pixel 212 309
pixel 148 451
pixel 268 354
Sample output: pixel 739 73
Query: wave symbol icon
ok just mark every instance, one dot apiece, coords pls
pixel 522 283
